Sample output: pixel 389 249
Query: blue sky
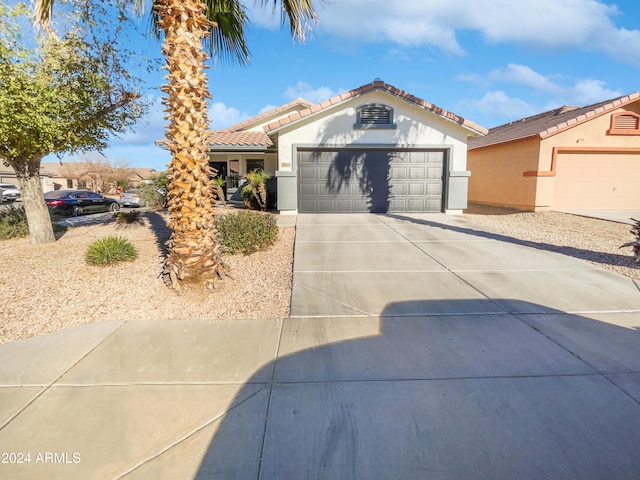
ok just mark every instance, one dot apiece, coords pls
pixel 491 61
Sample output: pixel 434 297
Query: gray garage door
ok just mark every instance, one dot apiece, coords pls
pixel 372 180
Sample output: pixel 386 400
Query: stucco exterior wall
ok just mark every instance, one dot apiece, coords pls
pixel 603 167
pixel 497 174
pixel 592 133
pixel 415 127
pixel 498 171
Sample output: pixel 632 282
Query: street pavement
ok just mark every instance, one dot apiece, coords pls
pixel 418 346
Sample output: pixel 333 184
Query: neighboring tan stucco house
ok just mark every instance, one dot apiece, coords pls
pixel 372 149
pixel 70 175
pixel 568 158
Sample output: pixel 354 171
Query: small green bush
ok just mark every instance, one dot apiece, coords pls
pixel 127 217
pixel 13 222
pixel 110 250
pixel 246 232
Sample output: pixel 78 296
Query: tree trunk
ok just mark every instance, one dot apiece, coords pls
pixel 38 218
pixel 193 252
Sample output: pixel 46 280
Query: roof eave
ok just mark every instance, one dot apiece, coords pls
pixel 334 102
pixel 235 148
pixel 492 144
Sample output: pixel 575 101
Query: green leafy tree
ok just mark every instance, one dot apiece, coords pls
pixel 58 93
pixel 193 248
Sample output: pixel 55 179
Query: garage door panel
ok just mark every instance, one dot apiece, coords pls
pixel 398 190
pixel 434 173
pixel 433 205
pixel 415 205
pixel 334 180
pixel 417 189
pixel 398 173
pixel 308 173
pixel 309 189
pixel 419 173
pixel 434 189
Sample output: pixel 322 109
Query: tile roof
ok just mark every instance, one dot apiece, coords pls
pixel 225 138
pixel 549 123
pixel 268 113
pixel 375 85
pixel 235 137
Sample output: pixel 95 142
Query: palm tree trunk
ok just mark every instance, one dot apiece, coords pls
pixel 193 251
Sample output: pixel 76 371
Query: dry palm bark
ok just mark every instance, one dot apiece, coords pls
pixel 193 251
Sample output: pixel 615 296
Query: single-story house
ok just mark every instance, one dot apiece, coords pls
pixel 372 149
pixel 567 158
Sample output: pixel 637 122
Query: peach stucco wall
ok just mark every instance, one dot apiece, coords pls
pixel 497 174
pixel 590 140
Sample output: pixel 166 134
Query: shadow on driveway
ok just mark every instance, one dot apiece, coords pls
pixel 529 396
pixel 582 254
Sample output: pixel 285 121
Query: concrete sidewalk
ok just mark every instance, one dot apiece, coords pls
pixel 418 347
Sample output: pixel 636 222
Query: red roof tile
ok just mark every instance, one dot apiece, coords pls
pixel 377 85
pixel 224 138
pixel 268 113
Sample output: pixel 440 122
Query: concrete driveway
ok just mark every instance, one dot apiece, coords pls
pixel 418 347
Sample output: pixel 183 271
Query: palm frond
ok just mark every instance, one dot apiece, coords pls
pixel 226 40
pixel 300 13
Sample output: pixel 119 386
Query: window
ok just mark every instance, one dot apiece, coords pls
pixel 374 115
pixel 255 165
pixel 69 183
pixel 627 123
pixel 234 167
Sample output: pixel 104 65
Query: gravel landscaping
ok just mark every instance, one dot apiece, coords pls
pixel 45 288
pixel 593 240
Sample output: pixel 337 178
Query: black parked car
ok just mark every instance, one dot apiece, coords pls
pixel 78 202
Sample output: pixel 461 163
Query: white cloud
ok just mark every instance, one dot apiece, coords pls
pixel 525 76
pixel 581 92
pixel 307 92
pixel 498 103
pixel 586 92
pixel 221 116
pixel 582 24
pixel 543 93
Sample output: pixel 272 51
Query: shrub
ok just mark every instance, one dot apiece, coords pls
pixel 127 217
pixel 13 222
pixel 246 232
pixel 110 250
pixel 153 191
pixel 254 193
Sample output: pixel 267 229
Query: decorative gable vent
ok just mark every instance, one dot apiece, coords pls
pixel 625 124
pixel 374 116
